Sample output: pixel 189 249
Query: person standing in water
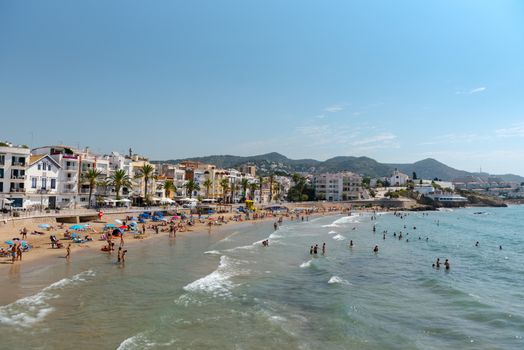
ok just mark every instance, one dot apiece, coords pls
pixel 68 250
pixel 315 249
pixel 446 264
pixel 351 243
pixel 323 248
pixel 375 249
pixel 311 250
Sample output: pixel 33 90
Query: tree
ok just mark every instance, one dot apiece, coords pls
pixel 91 177
pixel 169 187
pixel 415 176
pixel 224 183
pixel 207 184
pixel 191 186
pixel 252 188
pixel 261 182
pixel 244 184
pixel 118 180
pixel 271 180
pixel 145 172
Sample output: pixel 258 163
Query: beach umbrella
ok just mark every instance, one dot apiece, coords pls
pixel 45 226
pixel 76 227
pixel 117 232
pixel 134 219
pixel 9 242
pixel 123 227
pixel 119 222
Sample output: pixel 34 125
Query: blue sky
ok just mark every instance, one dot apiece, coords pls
pixel 397 81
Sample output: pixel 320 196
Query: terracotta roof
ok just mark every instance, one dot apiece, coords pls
pixel 35 158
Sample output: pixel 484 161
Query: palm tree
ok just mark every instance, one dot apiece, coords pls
pixel 118 180
pixel 252 188
pixel 146 172
pixel 244 184
pixel 224 183
pixel 91 178
pixel 191 186
pixel 207 184
pixel 261 181
pixel 234 188
pixel 169 187
pixel 271 180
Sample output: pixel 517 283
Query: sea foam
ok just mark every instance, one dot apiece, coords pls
pixel 218 282
pixel 339 238
pixel 33 309
pixel 338 280
pixel 141 341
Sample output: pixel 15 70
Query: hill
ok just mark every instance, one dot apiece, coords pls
pixel 277 163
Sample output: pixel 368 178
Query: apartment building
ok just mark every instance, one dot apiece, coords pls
pixel 338 186
pixel 13 165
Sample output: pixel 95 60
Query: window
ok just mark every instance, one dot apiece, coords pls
pixel 1 173
pixel 49 167
pixel 1 187
pixel 44 183
pixel 53 183
pixel 33 182
pixel 39 167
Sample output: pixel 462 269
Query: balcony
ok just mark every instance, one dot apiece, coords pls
pixel 17 190
pixel 18 164
pixel 18 177
pixel 71 168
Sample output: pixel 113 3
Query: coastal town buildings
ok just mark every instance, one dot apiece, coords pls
pixel 398 178
pixel 41 182
pixel 13 165
pixel 338 186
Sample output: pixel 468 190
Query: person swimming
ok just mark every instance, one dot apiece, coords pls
pixel 477 244
pixel 323 248
pixel 500 247
pixel 438 263
pixel 384 236
pixel 375 249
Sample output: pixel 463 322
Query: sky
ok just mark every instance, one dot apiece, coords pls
pixel 397 81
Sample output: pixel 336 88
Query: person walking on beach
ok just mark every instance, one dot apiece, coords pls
pixel 13 253
pixel 24 233
pixel 68 250
pixel 144 229
pixel 19 251
pixel 124 255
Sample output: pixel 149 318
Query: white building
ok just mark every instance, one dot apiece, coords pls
pixel 69 177
pixel 13 164
pixel 338 187
pixel 398 179
pixel 41 182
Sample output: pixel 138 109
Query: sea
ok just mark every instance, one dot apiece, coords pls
pixel 224 290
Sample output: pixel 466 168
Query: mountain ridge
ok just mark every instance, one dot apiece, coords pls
pixel 428 168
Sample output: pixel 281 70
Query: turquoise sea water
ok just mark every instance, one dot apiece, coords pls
pixel 225 291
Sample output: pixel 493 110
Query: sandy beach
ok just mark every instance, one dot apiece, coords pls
pixel 42 252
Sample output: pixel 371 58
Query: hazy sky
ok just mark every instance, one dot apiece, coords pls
pixel 398 81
